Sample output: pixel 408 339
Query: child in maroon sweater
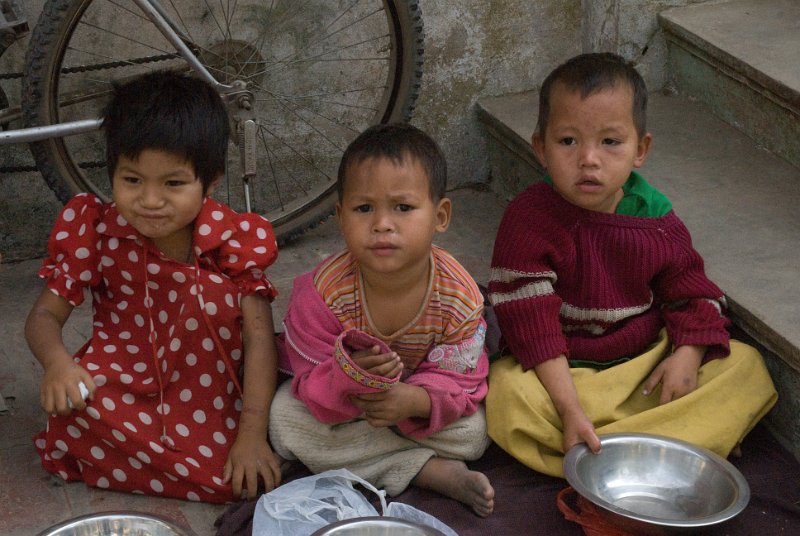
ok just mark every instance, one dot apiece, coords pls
pixel 600 296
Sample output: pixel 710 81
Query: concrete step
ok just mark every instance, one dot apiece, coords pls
pixel 740 203
pixel 740 57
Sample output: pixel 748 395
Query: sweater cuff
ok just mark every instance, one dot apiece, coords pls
pixel 351 341
pixel 539 350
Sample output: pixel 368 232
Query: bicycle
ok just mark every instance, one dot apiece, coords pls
pixel 301 79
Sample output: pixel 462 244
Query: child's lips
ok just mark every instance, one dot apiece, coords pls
pixel 589 185
pixel 383 248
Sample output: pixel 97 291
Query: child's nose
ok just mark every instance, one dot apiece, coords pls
pixel 588 154
pixel 151 197
pixel 382 221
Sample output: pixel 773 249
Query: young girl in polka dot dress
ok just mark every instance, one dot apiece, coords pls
pixel 181 366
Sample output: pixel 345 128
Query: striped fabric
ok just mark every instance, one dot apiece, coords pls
pixel 450 316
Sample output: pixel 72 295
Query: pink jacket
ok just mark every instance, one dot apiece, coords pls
pixel 315 349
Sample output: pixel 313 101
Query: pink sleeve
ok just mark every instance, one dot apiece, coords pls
pixel 72 262
pixel 454 375
pixel 246 253
pixel 319 355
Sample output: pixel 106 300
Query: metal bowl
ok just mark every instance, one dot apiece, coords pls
pixel 658 481
pixel 117 524
pixel 377 526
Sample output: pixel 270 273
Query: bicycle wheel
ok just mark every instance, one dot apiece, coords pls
pixel 321 71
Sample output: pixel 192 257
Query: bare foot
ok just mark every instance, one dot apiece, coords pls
pixel 455 480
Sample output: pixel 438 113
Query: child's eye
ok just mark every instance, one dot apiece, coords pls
pixel 402 207
pixel 131 180
pixel 175 183
pixel 611 141
pixel 362 208
pixel 567 141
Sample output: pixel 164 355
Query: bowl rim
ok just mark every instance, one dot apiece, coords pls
pixel 579 451
pixel 405 522
pixel 180 529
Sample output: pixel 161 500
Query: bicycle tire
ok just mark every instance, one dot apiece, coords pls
pixel 321 73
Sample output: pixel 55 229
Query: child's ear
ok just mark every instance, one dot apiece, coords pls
pixel 538 147
pixel 642 150
pixel 444 211
pixel 213 185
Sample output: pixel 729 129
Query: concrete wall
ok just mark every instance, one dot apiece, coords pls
pixel 472 49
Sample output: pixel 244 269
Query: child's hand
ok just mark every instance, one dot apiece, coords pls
pixel 387 365
pixel 249 458
pixel 399 403
pixel 579 429
pixel 59 387
pixel 677 374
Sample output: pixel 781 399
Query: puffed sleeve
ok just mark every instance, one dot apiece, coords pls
pixel 72 262
pixel 247 252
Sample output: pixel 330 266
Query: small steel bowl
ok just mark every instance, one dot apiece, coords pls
pixel 377 526
pixel 117 524
pixel 657 481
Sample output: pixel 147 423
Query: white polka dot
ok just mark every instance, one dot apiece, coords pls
pixel 119 436
pixel 86 275
pixel 229 300
pixel 145 418
pixel 109 404
pixel 97 453
pixel 217 215
pixel 220 367
pixel 119 475
pixel 261 233
pixel 191 360
pixel 116 366
pixel 205 380
pixel 156 486
pixel 216 480
pixel 122 306
pixel 234 244
pixel 68 214
pixel 225 333
pixel 226 235
pixel 126 275
pixel 172 296
pixel 121 220
pixel 230 423
pixel 153 268
pixel 182 430
pixel 140 367
pixel 191 324
pixel 208 344
pixel 204 230
pixel 82 422
pixel 219 437
pixel 128 398
pixel 127 290
pixel 130 427
pixel 102 482
pixel 211 308
pixel 185 395
pixel 181 469
pixel 143 456
pixel 260 250
pixel 175 345
pixel 179 277
pixel 114 317
pixel 216 279
pixel 136 464
pixel 199 416
pixel 113 243
pixel 158 449
pixel 106 261
pixel 173 478
pixel 82 253
pixel 244 225
pixel 163 317
pixel 127 379
pixel 192 496
pixel 132 349
pixel 133 257
pixel 61 235
pixel 193 462
pixel 139 320
pixel 233 259
pixel 205 451
pixel 219 403
pixel 93 413
pixel 74 431
pixel 109 348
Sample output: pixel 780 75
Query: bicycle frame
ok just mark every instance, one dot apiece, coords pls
pixel 235 93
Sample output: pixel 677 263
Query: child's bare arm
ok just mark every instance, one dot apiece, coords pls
pixel 401 402
pixel 677 373
pixel 557 380
pixel 62 375
pixel 250 455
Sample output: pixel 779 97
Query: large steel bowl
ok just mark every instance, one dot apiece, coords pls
pixel 117 524
pixel 377 526
pixel 657 481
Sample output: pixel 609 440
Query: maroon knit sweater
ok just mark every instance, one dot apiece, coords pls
pixel 597 286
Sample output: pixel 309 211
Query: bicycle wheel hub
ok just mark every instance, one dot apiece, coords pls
pixel 232 60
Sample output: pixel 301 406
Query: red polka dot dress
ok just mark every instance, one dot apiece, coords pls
pixel 165 351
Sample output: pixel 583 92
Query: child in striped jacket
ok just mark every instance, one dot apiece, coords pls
pixel 385 340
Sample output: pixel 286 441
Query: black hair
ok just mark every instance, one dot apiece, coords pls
pixel 397 141
pixel 170 112
pixel 590 73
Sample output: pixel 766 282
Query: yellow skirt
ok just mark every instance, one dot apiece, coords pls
pixel 733 394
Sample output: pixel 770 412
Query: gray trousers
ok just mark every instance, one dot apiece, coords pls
pixel 380 455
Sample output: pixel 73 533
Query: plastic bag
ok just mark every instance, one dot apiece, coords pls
pixel 305 505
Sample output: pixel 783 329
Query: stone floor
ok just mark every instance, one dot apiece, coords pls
pixel 31 500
